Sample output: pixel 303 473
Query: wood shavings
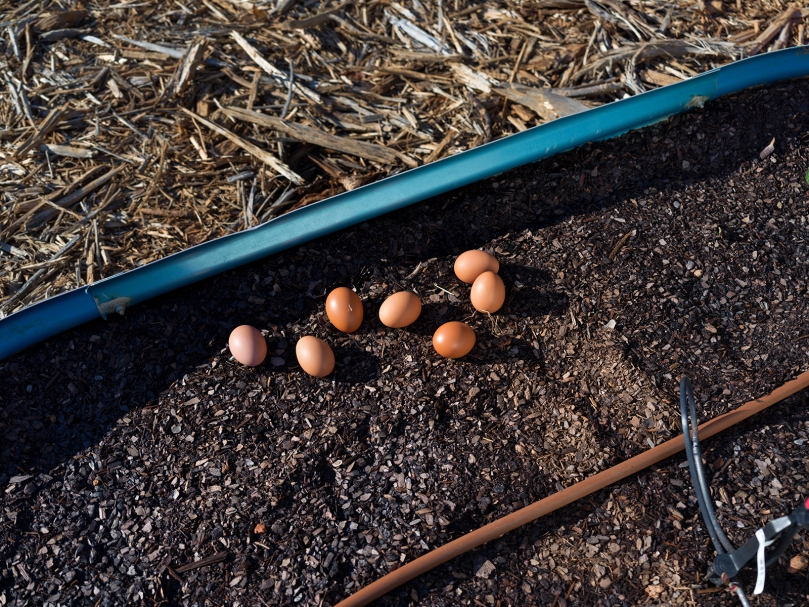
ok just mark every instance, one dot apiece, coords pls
pixel 546 103
pixel 67 150
pixel 347 93
pixel 472 78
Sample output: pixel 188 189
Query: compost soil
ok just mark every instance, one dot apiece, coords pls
pixel 133 448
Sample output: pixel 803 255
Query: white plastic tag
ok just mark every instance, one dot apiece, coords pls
pixel 760 563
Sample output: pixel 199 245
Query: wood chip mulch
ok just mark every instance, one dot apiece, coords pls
pixel 139 464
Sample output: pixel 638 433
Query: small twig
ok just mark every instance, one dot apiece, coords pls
pixel 269 68
pixel 289 90
pixel 54 257
pixel 208 560
pixel 58 208
pixel 113 154
pixel 524 52
pixel 174 574
pixel 26 106
pixel 174 53
pixel 251 100
pixel 587 91
pixel 130 126
pixel 13 94
pixel 591 42
pixel 48 124
pixel 153 184
pixel 614 253
pixel 282 201
pixel 106 205
pixel 416 271
pixel 13 38
pixel 444 290
pixel 250 201
pixel 301 132
pixel 179 213
pixel 72 199
pixel 21 291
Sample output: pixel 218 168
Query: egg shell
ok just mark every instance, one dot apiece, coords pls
pixel 454 339
pixel 400 309
pixel 473 263
pixel 344 309
pixel 314 356
pixel 488 292
pixel 247 345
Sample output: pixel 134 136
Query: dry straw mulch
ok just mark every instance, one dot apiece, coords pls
pixel 133 130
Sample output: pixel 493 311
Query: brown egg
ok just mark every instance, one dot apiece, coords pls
pixel 454 339
pixel 247 345
pixel 344 309
pixel 473 263
pixel 488 292
pixel 400 309
pixel 314 356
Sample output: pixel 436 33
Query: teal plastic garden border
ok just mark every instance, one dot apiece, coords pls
pixel 118 293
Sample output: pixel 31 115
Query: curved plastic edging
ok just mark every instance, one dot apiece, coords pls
pixel 45 319
pixel 55 315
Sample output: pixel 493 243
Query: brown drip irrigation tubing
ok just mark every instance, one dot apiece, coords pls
pixel 567 496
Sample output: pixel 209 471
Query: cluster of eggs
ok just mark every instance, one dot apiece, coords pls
pixel 344 310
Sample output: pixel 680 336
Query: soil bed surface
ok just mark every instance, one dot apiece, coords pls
pixel 133 448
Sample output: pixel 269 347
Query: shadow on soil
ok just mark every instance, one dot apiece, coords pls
pixel 62 396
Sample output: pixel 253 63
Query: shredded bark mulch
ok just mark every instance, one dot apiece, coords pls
pixel 138 463
pixel 130 130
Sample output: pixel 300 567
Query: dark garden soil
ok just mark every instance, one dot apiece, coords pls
pixel 134 447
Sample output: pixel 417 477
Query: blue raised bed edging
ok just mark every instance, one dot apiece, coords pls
pixel 62 312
